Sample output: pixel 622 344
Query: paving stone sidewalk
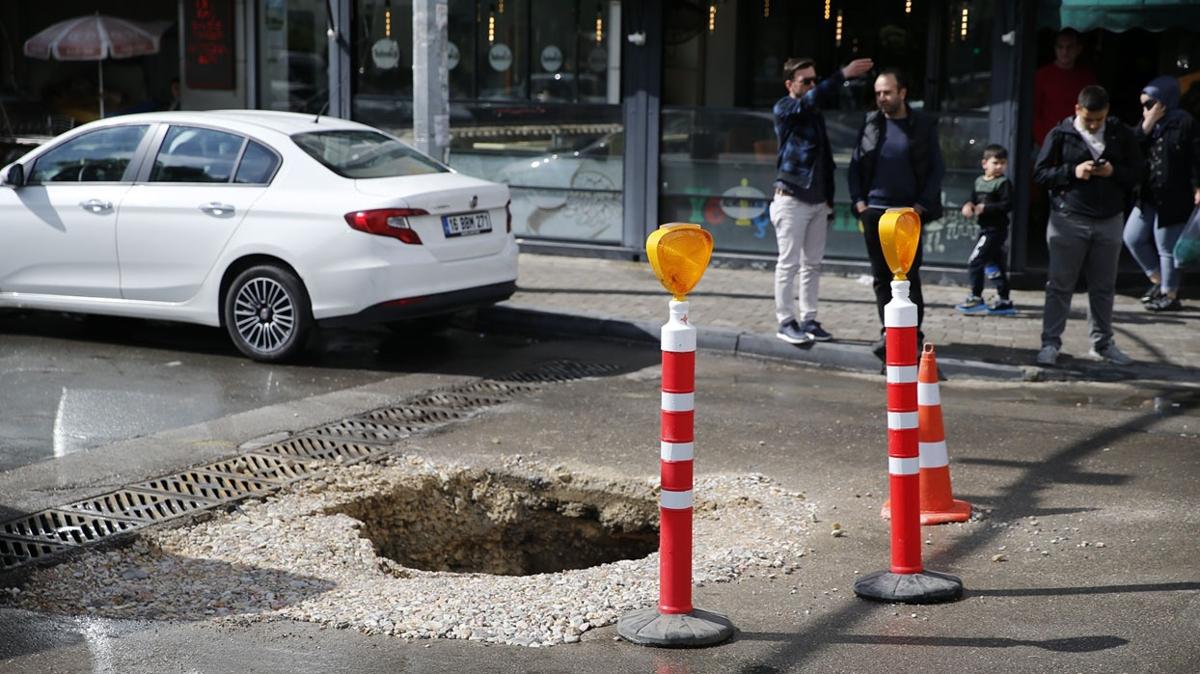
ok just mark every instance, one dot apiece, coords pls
pixel 738 304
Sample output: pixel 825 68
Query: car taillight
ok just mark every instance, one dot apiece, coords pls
pixel 508 217
pixel 391 222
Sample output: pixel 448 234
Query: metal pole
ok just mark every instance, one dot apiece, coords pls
pixel 431 78
pixel 100 67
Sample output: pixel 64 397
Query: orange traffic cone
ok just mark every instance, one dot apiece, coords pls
pixel 938 504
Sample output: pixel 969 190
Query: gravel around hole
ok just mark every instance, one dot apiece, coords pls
pixel 298 556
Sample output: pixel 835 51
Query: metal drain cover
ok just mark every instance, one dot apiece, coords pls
pixel 315 448
pixel 210 487
pixel 139 506
pixel 63 528
pixel 14 552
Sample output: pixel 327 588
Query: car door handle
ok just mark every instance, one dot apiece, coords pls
pixel 217 208
pixel 96 205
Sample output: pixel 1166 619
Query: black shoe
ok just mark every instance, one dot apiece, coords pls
pixel 813 329
pixel 1152 293
pixel 1164 303
pixel 791 333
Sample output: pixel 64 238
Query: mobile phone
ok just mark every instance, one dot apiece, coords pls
pixel 1100 162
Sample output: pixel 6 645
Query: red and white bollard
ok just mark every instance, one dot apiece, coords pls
pixel 907 580
pixel 677 449
pixel 675 622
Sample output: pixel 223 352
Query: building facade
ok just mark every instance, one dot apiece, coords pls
pixel 608 117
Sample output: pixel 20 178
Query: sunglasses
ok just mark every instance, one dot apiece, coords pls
pixel 809 80
pixel 1150 103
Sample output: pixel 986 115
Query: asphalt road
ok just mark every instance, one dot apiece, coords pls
pixel 1105 463
pixel 70 382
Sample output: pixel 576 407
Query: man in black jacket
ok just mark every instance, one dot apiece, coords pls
pixel 897 162
pixel 1089 163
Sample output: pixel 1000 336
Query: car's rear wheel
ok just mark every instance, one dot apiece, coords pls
pixel 267 313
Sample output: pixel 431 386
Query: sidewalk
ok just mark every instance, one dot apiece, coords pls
pixel 734 311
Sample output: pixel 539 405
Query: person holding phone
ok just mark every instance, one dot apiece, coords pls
pixel 1169 191
pixel 1090 164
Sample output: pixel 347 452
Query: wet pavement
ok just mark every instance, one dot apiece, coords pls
pixel 1054 465
pixel 70 383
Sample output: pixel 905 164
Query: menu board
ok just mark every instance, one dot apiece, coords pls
pixel 209 41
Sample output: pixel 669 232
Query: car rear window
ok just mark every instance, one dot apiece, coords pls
pixel 365 154
pixel 258 165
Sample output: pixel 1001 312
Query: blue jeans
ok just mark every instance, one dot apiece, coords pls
pixel 1153 245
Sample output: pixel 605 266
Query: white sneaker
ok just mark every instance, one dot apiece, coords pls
pixel 1048 355
pixel 1111 354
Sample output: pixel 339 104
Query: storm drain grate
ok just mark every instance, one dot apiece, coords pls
pixel 458 401
pixel 138 505
pixel 260 467
pixel 211 487
pixel 47 533
pixel 368 431
pixel 316 448
pixel 417 415
pixel 495 387
pixel 557 371
pixel 14 552
pixel 64 528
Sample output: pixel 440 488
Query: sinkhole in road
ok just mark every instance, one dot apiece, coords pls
pixel 479 521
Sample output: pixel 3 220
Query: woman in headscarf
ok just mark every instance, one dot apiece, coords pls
pixel 1170 190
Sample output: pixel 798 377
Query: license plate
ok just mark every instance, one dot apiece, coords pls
pixel 465 224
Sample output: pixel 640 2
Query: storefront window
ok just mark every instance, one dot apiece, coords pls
pixel 293 55
pixel 534 87
pixel 722 73
pixel 42 97
pixel 502 42
pixel 965 85
pixel 383 48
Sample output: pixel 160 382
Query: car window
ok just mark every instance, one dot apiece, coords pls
pixel 192 155
pixel 98 156
pixel 365 154
pixel 258 165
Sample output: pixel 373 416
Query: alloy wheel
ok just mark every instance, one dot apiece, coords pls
pixel 264 314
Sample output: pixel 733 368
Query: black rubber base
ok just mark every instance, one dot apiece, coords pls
pixel 648 627
pixel 928 587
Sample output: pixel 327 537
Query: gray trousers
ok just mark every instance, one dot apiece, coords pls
pixel 1093 247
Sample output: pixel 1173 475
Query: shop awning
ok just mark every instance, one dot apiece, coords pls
pixel 1119 15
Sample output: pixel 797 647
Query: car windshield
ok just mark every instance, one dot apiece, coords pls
pixel 365 154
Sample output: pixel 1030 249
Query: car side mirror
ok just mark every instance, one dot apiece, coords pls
pixel 14 176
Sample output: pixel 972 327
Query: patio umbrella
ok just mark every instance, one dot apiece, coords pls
pixel 94 38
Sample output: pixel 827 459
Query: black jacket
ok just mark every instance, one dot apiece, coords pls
pixel 1172 151
pixel 1097 197
pixel 923 151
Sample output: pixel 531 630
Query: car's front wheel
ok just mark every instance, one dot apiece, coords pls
pixel 267 313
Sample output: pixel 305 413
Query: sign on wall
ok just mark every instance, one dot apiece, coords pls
pixel 208 33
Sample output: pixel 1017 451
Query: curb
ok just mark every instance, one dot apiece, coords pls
pixel 529 321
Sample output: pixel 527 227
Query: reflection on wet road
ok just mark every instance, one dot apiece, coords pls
pixel 70 382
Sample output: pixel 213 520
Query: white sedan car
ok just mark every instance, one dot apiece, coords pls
pixel 264 223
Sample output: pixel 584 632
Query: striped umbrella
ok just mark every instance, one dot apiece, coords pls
pixel 94 37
